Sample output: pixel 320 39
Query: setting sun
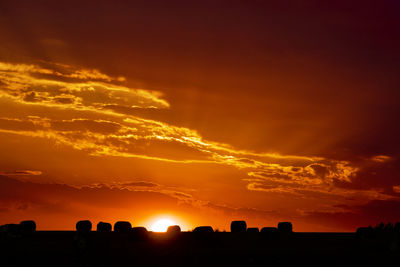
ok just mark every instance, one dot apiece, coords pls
pixel 162 225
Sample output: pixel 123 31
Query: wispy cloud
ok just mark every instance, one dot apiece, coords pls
pixel 66 87
pixel 135 137
pixel 20 173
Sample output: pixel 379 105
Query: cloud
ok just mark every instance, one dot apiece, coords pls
pixel 154 140
pixel 382 174
pixel 143 186
pixel 18 125
pixel 140 184
pixel 141 199
pixel 85 125
pixel 13 191
pixel 66 87
pixel 20 173
pixel 19 199
pixel 243 212
pixel 381 158
pixel 119 131
pixel 396 188
pixel 351 217
pixel 136 137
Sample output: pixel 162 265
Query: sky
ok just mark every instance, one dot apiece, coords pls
pixel 202 112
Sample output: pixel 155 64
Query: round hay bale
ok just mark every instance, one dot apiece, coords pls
pixel 203 230
pixel 174 229
pixel 84 226
pixel 285 227
pixel 122 227
pixel 27 227
pixel 139 233
pixel 104 227
pixel 238 226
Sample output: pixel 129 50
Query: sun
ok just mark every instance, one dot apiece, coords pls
pixel 162 225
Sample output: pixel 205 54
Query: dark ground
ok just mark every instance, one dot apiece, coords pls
pixel 68 248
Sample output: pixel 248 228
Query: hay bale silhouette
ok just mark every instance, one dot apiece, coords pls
pixel 203 230
pixel 285 227
pixel 174 229
pixel 83 226
pixel 104 227
pixel 27 227
pixel 139 229
pixel 139 233
pixel 122 227
pixel 253 230
pixel 238 226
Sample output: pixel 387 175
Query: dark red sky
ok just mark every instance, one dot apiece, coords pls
pixel 205 111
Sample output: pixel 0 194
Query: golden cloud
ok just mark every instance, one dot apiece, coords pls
pixel 78 89
pixel 122 135
pixel 135 137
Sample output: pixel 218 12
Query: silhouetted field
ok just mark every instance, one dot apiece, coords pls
pixel 141 248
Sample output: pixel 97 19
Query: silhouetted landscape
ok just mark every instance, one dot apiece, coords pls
pixel 124 245
pixel 199 133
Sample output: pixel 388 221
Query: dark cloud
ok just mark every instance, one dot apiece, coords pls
pixel 30 97
pixel 22 173
pixel 320 170
pixel 351 217
pixel 41 196
pixel 375 174
pixel 242 212
pixel 18 125
pixel 64 100
pixel 65 199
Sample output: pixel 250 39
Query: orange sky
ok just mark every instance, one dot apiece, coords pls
pixel 203 111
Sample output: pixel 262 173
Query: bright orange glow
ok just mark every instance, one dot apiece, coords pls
pixel 162 225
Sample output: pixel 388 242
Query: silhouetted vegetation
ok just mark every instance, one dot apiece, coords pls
pixel 387 235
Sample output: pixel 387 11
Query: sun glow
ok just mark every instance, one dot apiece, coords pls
pixel 161 225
